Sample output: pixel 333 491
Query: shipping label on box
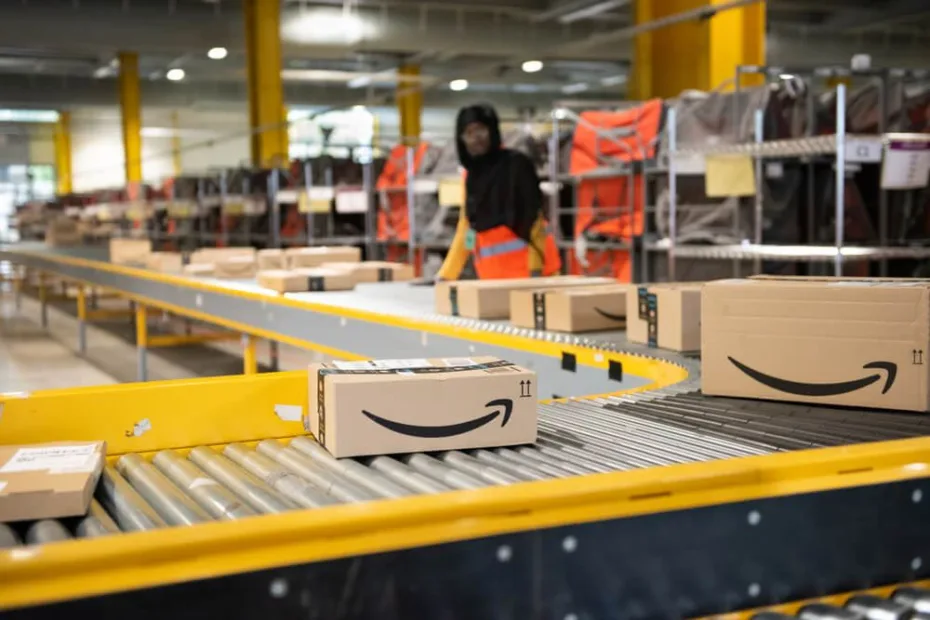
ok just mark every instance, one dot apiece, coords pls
pixel 490 299
pixel 47 481
pixel 400 406
pixel 861 343
pixel 570 309
pixel 665 316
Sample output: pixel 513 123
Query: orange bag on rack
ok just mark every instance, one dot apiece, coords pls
pixel 603 205
pixel 393 224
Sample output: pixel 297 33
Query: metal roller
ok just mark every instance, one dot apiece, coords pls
pixel 46 531
pixel 169 501
pixel 96 523
pixel 131 512
pixel 575 467
pixel 876 608
pixel 352 470
pixel 497 461
pixel 556 471
pixel 471 465
pixel 433 468
pixel 8 537
pixel 249 488
pixel 822 611
pixel 917 599
pixel 407 476
pixel 292 486
pixel 332 484
pixel 217 500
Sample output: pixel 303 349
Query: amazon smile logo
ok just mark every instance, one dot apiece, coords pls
pixel 504 405
pixel 608 315
pixel 823 389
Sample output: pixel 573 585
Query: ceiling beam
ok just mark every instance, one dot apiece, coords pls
pixel 881 16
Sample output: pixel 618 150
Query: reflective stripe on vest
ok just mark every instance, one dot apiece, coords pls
pixel 501 248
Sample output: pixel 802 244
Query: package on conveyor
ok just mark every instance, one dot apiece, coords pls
pixel 270 259
pixel 199 270
pixel 375 271
pixel 316 257
pixel 235 267
pixel 304 280
pixel 132 252
pixel 49 480
pixel 490 299
pixel 62 232
pixel 853 342
pixel 420 405
pixel 572 309
pixel 665 316
pixel 165 262
pixel 212 255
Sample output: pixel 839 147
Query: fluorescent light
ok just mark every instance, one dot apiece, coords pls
pixel 593 10
pixel 326 25
pixel 613 80
pixel 360 82
pixel 458 85
pixel 28 116
pixel 217 53
pixel 569 89
pixel 532 66
pixel 175 75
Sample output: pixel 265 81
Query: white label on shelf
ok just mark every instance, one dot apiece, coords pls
pixel 689 163
pixel 425 186
pixel 320 193
pixel 774 170
pixel 351 202
pixel 287 195
pixel 54 459
pixel 863 150
pixel 907 164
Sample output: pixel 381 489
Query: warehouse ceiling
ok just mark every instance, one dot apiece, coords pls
pixel 59 53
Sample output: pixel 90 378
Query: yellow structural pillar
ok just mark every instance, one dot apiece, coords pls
pixel 267 117
pixel 700 53
pixel 63 152
pixel 409 103
pixel 130 102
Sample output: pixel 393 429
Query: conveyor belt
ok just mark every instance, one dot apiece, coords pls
pixel 575 439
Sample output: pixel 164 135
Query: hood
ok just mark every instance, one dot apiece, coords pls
pixel 480 113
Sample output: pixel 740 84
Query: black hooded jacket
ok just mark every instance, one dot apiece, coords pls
pixel 502 187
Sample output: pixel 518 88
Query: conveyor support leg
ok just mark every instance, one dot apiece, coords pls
pixel 43 301
pixel 249 359
pixel 82 319
pixel 18 285
pixel 142 341
pixel 273 353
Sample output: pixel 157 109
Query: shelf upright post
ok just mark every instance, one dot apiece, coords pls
pixel 82 319
pixel 275 216
pixel 554 216
pixel 671 123
pixel 840 176
pixel 199 216
pixel 411 208
pixel 142 341
pixel 247 199
pixel 882 193
pixel 308 186
pixel 371 226
pixel 760 187
pixel 224 236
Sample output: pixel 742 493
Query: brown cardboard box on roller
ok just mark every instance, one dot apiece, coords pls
pixel 165 262
pixel 315 257
pixel 490 299
pixel 267 260
pixel 665 316
pixel 375 271
pixel 419 405
pixel 861 343
pixel 303 280
pixel 573 310
pixel 214 255
pixel 202 270
pixel 129 251
pixel 50 480
pixel 235 267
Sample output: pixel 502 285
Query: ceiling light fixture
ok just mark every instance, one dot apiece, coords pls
pixel 175 75
pixel 458 85
pixel 217 53
pixel 532 66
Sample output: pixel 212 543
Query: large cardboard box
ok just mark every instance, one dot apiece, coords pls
pixel 665 316
pixel 63 232
pixel 490 299
pixel 215 255
pixel 47 481
pixel 399 406
pixel 235 267
pixel 375 271
pixel 575 310
pixel 316 257
pixel 851 342
pixel 270 259
pixel 166 262
pixel 129 251
pixel 303 280
pixel 199 270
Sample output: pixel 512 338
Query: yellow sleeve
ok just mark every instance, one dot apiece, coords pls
pixel 458 254
pixel 536 254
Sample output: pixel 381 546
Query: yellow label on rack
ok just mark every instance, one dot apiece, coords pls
pixel 233 208
pixel 180 209
pixel 309 204
pixel 729 175
pixel 452 193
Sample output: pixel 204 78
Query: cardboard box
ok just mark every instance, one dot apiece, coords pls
pixel 575 310
pixel 202 270
pixel 303 280
pixel 129 251
pixel 861 343
pixel 666 316
pixel 375 271
pixel 398 406
pixel 316 257
pixel 490 299
pixel 166 262
pixel 50 480
pixel 267 260
pixel 235 267
pixel 215 255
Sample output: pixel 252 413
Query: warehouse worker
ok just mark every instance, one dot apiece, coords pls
pixel 501 223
